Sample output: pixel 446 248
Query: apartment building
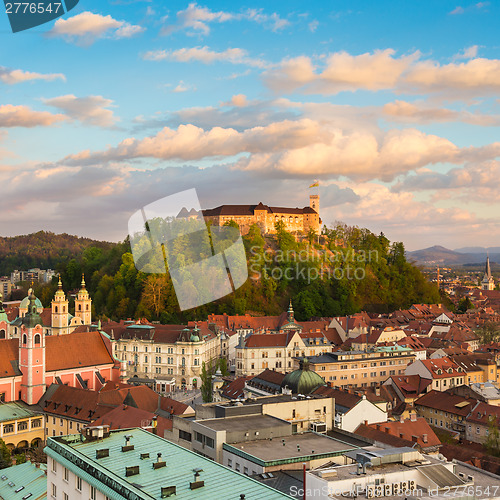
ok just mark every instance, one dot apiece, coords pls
pixel 20 426
pixel 169 355
pixel 348 369
pixel 443 372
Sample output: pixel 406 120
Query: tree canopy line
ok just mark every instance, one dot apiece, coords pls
pixel 317 279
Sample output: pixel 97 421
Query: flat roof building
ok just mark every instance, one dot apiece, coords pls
pixel 137 465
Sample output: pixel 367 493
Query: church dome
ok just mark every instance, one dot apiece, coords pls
pixel 303 380
pixel 25 303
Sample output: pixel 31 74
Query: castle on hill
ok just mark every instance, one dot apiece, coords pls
pixel 295 219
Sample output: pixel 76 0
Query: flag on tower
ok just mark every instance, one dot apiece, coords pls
pixel 316 184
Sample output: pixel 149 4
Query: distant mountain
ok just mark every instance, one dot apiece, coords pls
pixel 439 255
pixel 478 250
pixel 43 249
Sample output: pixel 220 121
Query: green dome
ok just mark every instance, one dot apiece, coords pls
pixel 303 380
pixel 25 303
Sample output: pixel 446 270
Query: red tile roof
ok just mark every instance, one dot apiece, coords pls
pixel 234 389
pixel 125 417
pixel 342 398
pixel 417 430
pixel 446 402
pixel 482 414
pixel 9 355
pixel 75 350
pixel 442 368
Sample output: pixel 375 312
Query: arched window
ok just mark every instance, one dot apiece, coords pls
pixel 37 338
pixel 2 334
pixel 57 310
pixel 79 307
pixel 183 362
pixel 25 338
pixel 64 309
pixel 87 308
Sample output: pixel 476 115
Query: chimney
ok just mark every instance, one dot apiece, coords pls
pixel 402 419
pixel 413 417
pixel 387 430
pixel 377 391
pixel 378 427
pixel 424 438
pixel 365 422
pixel 414 438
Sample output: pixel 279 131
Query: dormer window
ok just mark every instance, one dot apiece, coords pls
pixel 450 370
pixel 439 372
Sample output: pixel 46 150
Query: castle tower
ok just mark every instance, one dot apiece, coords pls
pixel 60 313
pixel 32 354
pixel 314 202
pixel 83 305
pixel 488 282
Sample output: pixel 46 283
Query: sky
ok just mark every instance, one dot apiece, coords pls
pixel 393 106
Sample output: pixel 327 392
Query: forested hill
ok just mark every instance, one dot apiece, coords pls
pixel 43 249
pixel 345 270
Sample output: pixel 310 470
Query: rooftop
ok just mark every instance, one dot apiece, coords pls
pixel 27 475
pixel 14 411
pixel 243 423
pixel 178 471
pixel 294 448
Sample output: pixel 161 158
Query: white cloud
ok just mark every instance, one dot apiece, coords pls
pixel 457 10
pixel 182 87
pixel 87 27
pixel 90 110
pixel 205 56
pixel 343 72
pixel 13 76
pixel 196 19
pixel 313 25
pixel 382 70
pixel 274 21
pixel 467 53
pixel 23 116
pixel 406 112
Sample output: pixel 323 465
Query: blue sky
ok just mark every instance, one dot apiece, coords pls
pixel 393 106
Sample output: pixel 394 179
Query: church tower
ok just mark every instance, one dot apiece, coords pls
pixel 32 354
pixel 488 282
pixel 60 313
pixel 83 305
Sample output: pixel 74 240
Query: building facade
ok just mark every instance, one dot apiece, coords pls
pixel 296 220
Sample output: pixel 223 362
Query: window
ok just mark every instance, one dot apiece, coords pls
pixel 54 491
pixel 184 435
pixel 66 474
pixel 8 428
pixel 2 397
pixel 245 470
pixel 145 359
pixel 146 349
pixel 78 483
pixel 158 369
pixel 22 426
pixel 237 468
pixel 229 462
pixel 54 466
pixel 93 493
pixel 66 497
pixel 158 349
pixel 61 421
pixel 477 430
pixel 36 423
pixel 70 424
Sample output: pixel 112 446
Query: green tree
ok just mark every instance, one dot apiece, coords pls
pixel 492 442
pixel 206 383
pixel 489 332
pixel 464 304
pixel 5 457
pixel 222 366
pixel 20 458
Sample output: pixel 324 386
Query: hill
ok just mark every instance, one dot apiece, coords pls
pixel 43 249
pixel 438 255
pixel 347 270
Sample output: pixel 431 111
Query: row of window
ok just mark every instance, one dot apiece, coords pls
pixel 382 373
pixel 170 350
pixel 21 426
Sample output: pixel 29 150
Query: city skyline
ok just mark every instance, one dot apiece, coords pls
pixel 393 108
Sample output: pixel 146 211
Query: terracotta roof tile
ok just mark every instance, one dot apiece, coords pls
pixel 75 350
